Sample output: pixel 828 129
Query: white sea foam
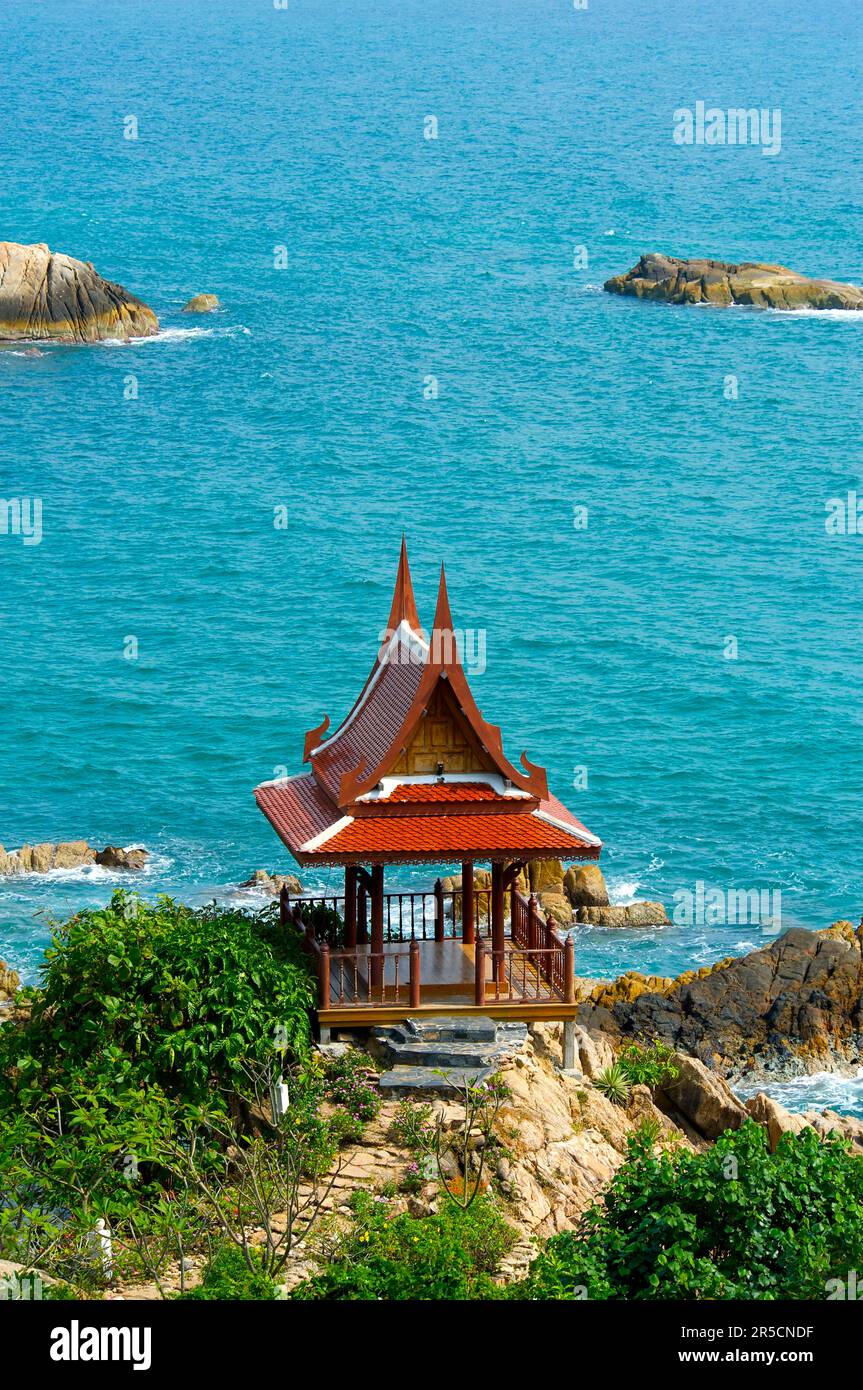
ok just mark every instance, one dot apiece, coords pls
pixel 823 1090
pixel 179 335
pixel 622 891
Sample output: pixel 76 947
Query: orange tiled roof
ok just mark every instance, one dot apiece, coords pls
pixel 439 791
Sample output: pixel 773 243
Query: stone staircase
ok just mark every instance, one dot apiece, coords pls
pixel 465 1049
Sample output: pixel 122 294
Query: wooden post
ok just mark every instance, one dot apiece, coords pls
pixel 569 970
pixel 350 906
pixel 532 925
pixel 284 905
pixel 415 973
pixel 479 974
pixel 362 916
pixel 468 920
pixel 376 973
pixel 438 911
pixel 324 977
pixel 497 938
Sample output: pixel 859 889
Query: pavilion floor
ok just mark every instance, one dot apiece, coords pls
pixel 448 984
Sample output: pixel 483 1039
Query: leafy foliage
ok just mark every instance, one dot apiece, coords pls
pixel 229 1278
pixel 614 1084
pixel 648 1066
pixel 450 1255
pixel 734 1222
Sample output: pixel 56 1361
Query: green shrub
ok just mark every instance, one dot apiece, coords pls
pixel 229 1278
pixel 412 1126
pixel 734 1222
pixel 447 1256
pixel 648 1066
pixel 614 1084
pixel 351 1082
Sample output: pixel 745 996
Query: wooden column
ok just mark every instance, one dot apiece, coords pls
pixel 377 942
pixel 284 905
pixel 415 973
pixel 479 974
pixel 324 977
pixel 362 915
pixel 569 973
pixel 468 928
pixel 438 911
pixel 350 907
pixel 497 945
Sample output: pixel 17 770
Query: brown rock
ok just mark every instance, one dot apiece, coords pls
pixel 585 886
pixel 698 281
pixel 114 857
pixel 556 905
pixel 775 1118
pixel 71 854
pixel 10 982
pixel 44 294
pixel 274 883
pixel 633 915
pixel 546 876
pixel 703 1098
pixel 201 304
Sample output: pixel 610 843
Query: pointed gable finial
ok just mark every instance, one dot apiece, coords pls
pixel 443 644
pixel 404 606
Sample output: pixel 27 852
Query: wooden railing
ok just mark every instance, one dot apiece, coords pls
pixel 427 915
pixel 536 938
pixel 361 977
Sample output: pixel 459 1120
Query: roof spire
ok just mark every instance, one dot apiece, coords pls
pixel 404 605
pixel 443 645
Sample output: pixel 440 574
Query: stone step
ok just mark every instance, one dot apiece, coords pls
pixel 406 1079
pixel 444 1054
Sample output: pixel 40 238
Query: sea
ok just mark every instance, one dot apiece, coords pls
pixel 408 209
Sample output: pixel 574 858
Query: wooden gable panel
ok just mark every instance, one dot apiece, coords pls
pixel 443 735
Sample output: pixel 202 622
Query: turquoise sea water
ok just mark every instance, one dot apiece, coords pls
pixel 410 258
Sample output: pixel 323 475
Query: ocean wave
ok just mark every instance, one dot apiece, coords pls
pixel 823 1090
pixel 179 335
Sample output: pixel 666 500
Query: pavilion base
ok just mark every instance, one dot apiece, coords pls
pixel 360 1016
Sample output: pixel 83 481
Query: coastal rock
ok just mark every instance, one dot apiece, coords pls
pixel 201 304
pixel 47 295
pixel 10 982
pixel 702 1098
pixel 558 907
pixel 797 1002
pixel 273 883
pixel 585 886
pixel 39 859
pixel 113 857
pixel 698 281
pixel 775 1118
pixel 71 854
pixel 546 876
pixel 633 915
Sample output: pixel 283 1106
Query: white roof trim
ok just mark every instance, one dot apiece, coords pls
pixel 317 840
pixel 404 636
pixel 583 835
pixel 427 779
pixel 281 781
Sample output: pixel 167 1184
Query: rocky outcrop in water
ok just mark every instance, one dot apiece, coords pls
pixel 46 295
pixel 273 883
pixel 793 1006
pixel 676 281
pixel 201 304
pixel 68 854
pixel 632 915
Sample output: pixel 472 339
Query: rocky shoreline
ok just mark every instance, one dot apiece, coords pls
pixel 700 281
pixel 69 854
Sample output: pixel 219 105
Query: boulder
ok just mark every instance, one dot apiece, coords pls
pixel 47 295
pixel 557 906
pixel 633 915
pixel 775 1118
pixel 201 304
pixel 702 1097
pixel 113 857
pixel 71 854
pixel 584 885
pixel 10 982
pixel 545 876
pixel 797 1003
pixel 698 281
pixel 273 883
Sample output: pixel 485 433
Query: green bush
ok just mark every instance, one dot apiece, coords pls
pixel 229 1278
pixel 734 1222
pixel 447 1256
pixel 648 1066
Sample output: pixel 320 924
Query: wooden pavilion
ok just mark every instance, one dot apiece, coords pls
pixel 415 774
